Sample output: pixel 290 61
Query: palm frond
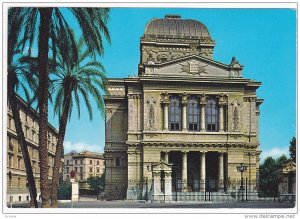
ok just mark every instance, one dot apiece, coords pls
pixel 87 102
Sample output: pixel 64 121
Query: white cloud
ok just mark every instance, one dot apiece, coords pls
pixel 81 146
pixel 274 152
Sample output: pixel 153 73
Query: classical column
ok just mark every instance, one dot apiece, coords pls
pixel 221 172
pixel 202 112
pixel 165 102
pixel 166 157
pixel 166 115
pixel 222 101
pixel 184 171
pixel 221 117
pixel 184 103
pixel 202 171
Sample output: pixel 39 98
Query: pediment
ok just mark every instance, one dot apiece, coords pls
pixel 161 166
pixel 289 167
pixel 193 66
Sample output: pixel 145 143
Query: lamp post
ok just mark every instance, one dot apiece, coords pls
pixel 241 168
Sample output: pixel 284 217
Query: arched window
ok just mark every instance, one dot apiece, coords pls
pixel 174 114
pixel 193 114
pixel 211 115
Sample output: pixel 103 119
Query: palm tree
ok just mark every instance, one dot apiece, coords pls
pixel 69 83
pixel 92 22
pixel 20 75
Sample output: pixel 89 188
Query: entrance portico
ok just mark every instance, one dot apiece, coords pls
pixel 187 171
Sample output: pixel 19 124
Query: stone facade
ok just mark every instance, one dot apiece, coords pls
pixel 85 164
pixel 17 191
pixel 184 121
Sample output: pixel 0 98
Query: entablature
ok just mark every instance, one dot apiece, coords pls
pixel 197 145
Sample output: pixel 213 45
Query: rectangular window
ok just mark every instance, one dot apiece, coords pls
pixel 19 163
pixel 20 198
pixel 81 161
pixel 9 123
pixel 118 162
pixel 67 162
pixel 75 161
pixel 91 169
pixel 75 169
pixel 174 114
pixel 27 132
pixel 193 127
pixel 98 170
pixel 81 176
pixel 193 114
pixel 10 162
pixel 19 182
pixel 98 162
pixel 211 115
pixel 67 169
pixel 11 183
pixel 33 136
pixel 81 169
pixel 91 161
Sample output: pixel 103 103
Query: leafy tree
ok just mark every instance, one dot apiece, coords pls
pixel 292 149
pixel 43 24
pixel 268 171
pixel 97 183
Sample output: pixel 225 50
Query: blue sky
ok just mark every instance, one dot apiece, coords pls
pixel 263 40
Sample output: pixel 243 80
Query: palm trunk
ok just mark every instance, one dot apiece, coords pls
pixel 59 147
pixel 21 139
pixel 43 49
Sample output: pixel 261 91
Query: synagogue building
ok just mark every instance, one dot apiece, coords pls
pixel 184 123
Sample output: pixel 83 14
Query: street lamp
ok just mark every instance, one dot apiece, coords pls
pixel 242 168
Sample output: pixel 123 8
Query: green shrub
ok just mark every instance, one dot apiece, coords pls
pixel 64 191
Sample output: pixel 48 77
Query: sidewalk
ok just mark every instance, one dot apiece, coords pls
pixel 133 204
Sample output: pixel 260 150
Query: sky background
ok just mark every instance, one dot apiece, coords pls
pixel 263 40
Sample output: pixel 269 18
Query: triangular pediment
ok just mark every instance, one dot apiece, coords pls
pixel 194 66
pixel 161 166
pixel 289 166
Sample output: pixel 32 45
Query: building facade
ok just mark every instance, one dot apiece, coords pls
pixel 17 190
pixel 184 123
pixel 84 164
